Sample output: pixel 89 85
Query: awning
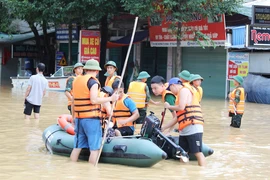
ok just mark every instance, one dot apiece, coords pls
pixel 139 36
pixel 12 38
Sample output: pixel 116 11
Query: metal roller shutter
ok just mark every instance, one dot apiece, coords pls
pixel 211 65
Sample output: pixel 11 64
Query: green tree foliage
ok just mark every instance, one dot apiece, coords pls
pixel 5 19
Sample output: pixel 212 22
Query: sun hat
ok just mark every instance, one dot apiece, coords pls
pixel 77 65
pixel 174 80
pixel 194 77
pixel 92 64
pixel 110 63
pixel 143 75
pixel 239 79
pixel 184 75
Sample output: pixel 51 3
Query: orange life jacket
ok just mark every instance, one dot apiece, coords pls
pixel 103 109
pixel 109 80
pixel 121 112
pixel 239 107
pixel 164 93
pixel 136 91
pixel 83 108
pixel 192 114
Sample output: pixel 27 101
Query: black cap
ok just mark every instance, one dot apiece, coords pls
pixel 157 80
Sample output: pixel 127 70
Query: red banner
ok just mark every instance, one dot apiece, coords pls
pixel 89 45
pixel 161 34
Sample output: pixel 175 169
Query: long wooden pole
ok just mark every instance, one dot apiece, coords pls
pixel 121 79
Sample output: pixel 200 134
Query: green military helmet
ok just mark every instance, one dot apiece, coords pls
pixel 92 64
pixel 143 75
pixel 194 77
pixel 184 75
pixel 77 65
pixel 110 63
pixel 239 79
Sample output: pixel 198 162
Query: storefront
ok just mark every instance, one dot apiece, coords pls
pixel 210 63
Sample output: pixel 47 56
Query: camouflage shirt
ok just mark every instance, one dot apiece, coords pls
pixel 237 94
pixel 69 84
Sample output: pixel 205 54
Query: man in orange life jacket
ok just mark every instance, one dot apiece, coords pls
pixel 87 111
pixel 139 93
pixel 159 88
pixel 237 102
pixel 125 112
pixel 77 70
pixel 189 118
pixel 111 74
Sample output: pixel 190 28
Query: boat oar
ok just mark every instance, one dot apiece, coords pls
pixel 121 79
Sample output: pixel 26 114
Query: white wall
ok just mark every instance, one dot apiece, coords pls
pixel 259 62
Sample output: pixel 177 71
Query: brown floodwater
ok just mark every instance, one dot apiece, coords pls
pixel 239 153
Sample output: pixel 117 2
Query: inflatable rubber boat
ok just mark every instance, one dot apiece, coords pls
pixel 131 151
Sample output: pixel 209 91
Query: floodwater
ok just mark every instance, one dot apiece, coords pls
pixel 239 153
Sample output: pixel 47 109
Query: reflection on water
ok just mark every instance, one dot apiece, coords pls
pixel 239 153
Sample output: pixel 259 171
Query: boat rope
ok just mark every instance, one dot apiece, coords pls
pixel 49 137
pixel 59 142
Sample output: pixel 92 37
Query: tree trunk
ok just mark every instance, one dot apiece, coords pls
pixel 178 61
pixel 70 44
pixel 103 46
pixel 38 42
pixel 50 57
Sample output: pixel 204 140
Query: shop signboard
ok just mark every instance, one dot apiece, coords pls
pixel 161 35
pixel 89 45
pixel 260 15
pixel 24 51
pixel 238 64
pixel 62 33
pixel 258 36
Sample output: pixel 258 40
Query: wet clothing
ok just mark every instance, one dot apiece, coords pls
pixel 28 107
pixel 190 125
pixel 126 131
pixel 124 109
pixel 88 134
pixel 236 107
pixel 38 84
pixel 83 108
pixel 192 114
pixel 191 143
pixel 69 87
